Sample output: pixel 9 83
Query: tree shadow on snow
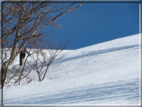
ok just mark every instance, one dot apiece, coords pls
pixel 114 91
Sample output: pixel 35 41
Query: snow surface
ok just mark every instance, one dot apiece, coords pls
pixel 103 74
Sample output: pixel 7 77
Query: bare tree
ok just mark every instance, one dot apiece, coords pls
pixel 23 21
pixel 43 59
pixel 39 61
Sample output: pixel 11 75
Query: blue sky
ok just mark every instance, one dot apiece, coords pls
pixel 98 22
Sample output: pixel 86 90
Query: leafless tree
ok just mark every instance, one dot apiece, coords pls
pixel 39 61
pixel 23 21
pixel 43 59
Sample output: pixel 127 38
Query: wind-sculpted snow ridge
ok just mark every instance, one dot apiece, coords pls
pixel 103 74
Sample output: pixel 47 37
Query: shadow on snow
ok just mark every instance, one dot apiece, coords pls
pixel 125 90
pixel 90 53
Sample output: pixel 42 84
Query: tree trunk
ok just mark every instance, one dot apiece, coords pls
pixel 9 62
pixel 4 72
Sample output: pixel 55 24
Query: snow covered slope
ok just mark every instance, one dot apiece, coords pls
pixel 103 74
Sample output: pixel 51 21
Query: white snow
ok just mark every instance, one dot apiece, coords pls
pixel 103 74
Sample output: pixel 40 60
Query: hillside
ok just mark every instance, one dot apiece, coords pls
pixel 103 74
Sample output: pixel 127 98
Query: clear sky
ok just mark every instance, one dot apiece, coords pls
pixel 98 22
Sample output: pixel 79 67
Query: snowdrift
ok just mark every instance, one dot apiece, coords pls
pixel 103 74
